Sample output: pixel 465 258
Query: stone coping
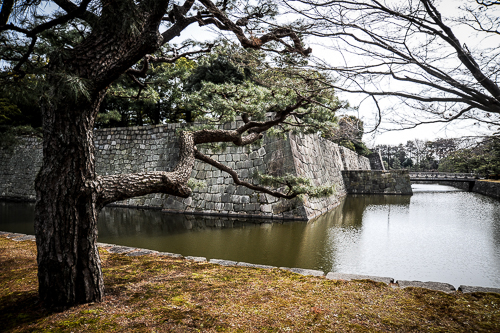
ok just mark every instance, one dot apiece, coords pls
pixel 134 252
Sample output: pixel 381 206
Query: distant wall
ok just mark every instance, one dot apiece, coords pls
pixel 377 182
pixel 18 168
pixel 376 162
pixel 490 189
pixel 466 186
pixel 155 148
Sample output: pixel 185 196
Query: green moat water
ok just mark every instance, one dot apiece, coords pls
pixel 438 234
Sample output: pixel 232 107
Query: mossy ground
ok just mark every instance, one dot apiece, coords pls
pixel 161 294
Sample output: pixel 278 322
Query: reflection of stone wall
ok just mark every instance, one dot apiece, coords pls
pixel 119 222
pixel 376 181
pixel 155 148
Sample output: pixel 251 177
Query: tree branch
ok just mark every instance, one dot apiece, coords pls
pixel 6 11
pixel 236 179
pixel 26 56
pixel 152 59
pixel 69 7
pixel 464 56
pixel 254 42
pixel 120 187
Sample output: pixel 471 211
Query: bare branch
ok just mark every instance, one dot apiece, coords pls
pixel 6 11
pixel 224 23
pixel 26 56
pixel 411 52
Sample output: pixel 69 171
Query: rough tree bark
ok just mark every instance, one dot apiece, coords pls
pixel 65 214
pixel 68 197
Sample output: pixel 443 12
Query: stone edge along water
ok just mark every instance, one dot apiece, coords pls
pixel 134 252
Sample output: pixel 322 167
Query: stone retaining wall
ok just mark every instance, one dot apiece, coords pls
pixel 484 187
pixel 490 189
pixel 18 168
pixel 376 161
pixel 377 182
pixel 155 148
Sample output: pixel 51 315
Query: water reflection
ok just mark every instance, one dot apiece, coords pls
pixel 438 234
pixel 17 217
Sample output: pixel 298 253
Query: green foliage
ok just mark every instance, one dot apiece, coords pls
pixel 161 100
pixel 396 164
pixel 349 134
pixel 69 88
pixel 295 184
pixel 219 71
pixel 192 184
pixel 483 159
pixel 8 112
pixel 407 163
pixel 282 89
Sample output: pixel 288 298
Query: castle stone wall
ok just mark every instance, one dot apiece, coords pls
pixel 19 166
pixel 155 148
pixel 377 182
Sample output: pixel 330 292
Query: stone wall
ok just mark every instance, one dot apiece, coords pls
pixel 155 148
pixel 18 168
pixel 484 187
pixel 376 162
pixel 323 161
pixel 377 182
pixel 490 189
pixel 466 186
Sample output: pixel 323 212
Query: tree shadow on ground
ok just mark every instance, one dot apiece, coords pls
pixel 18 308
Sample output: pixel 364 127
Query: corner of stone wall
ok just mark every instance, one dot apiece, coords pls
pixel 376 162
pixel 321 161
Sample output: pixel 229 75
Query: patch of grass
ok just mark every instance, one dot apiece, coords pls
pixel 161 294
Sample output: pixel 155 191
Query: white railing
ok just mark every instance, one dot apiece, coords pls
pixel 442 175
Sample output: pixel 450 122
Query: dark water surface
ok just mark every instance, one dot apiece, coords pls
pixel 438 234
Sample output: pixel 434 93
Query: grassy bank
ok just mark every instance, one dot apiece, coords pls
pixel 162 294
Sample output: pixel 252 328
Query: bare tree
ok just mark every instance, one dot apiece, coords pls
pixel 111 39
pixel 441 64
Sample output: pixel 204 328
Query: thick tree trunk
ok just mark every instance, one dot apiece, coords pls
pixel 69 270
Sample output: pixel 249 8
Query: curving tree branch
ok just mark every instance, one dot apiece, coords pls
pixel 236 179
pixel 120 187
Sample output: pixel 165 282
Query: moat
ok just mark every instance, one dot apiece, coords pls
pixel 438 234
